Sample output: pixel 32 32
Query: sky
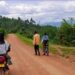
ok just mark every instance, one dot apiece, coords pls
pixel 42 11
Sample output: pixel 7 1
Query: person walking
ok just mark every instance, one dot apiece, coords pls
pixel 45 40
pixel 36 42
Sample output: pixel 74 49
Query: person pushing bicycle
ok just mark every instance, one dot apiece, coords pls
pixel 45 40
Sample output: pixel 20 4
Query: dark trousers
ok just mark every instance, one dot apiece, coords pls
pixel 36 48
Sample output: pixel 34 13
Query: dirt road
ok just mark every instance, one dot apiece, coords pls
pixel 26 63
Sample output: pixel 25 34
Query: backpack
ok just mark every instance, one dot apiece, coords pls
pixel 45 42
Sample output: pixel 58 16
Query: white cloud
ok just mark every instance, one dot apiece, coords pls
pixel 70 6
pixel 12 15
pixel 42 10
pixel 2 3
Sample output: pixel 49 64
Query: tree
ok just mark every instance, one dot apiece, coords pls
pixel 66 33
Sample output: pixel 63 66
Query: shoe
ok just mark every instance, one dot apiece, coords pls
pixel 44 54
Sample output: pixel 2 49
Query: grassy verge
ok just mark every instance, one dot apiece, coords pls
pixel 25 39
pixel 52 49
pixel 63 50
pixel 67 51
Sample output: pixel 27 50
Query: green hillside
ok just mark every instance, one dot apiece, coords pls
pixel 64 35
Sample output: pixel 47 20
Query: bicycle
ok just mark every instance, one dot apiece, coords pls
pixel 46 49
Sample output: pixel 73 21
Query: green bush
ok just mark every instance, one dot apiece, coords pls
pixel 3 31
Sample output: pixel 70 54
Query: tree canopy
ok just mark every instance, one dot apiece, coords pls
pixel 64 34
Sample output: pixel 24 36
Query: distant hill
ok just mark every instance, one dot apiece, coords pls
pixel 58 23
pixel 52 23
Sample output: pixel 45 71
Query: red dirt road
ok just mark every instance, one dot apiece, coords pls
pixel 26 63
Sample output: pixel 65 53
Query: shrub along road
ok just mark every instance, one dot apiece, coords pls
pixel 26 63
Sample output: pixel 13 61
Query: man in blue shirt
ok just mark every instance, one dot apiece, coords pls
pixel 45 40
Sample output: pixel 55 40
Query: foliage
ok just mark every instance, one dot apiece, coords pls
pixel 65 34
pixel 26 27
pixel 3 31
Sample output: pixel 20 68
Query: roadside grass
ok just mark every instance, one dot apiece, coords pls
pixel 68 51
pixel 54 49
pixel 63 50
pixel 25 39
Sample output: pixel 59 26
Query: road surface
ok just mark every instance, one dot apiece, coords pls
pixel 26 63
